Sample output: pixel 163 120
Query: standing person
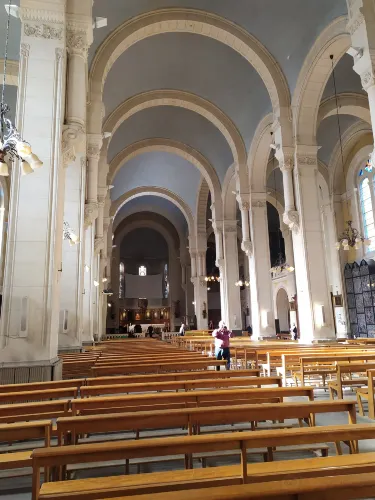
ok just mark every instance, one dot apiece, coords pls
pixel 150 331
pixel 182 330
pixel 211 325
pixel 294 332
pixel 222 344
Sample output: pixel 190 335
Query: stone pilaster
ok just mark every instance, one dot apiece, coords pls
pixel 314 302
pixel 263 321
pixel 30 311
pixel 232 292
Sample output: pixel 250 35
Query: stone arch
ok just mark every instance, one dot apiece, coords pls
pixel 163 193
pixel 313 78
pixel 259 155
pixel 188 101
pixel 230 189
pixel 201 212
pixel 349 103
pixel 184 20
pixel 175 147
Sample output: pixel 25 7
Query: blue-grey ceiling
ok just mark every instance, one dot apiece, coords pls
pixel 347 80
pixel 159 169
pixel 10 96
pixel 287 28
pixel 144 243
pixel 328 134
pixel 14 32
pixel 178 124
pixel 156 205
pixel 195 64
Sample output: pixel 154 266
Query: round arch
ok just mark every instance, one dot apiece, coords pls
pixel 259 155
pixel 184 20
pixel 282 309
pixel 170 146
pixel 349 103
pixel 163 193
pixel 314 76
pixel 201 211
pixel 186 100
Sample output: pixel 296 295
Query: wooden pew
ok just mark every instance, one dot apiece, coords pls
pixel 64 456
pixel 191 398
pixel 34 411
pixel 42 386
pixel 156 368
pixel 368 394
pixel 169 377
pixel 48 394
pixel 192 419
pixel 10 433
pixel 349 487
pixel 342 370
pixel 184 385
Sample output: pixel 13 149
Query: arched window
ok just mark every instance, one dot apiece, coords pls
pixel 366 196
pixel 142 271
pixel 166 282
pixel 122 281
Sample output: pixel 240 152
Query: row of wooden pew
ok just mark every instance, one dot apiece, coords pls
pixel 180 419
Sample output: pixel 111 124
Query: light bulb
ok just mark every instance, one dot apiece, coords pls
pixel 23 149
pixel 338 245
pixel 26 168
pixel 109 305
pixel 74 238
pixel 4 170
pixel 104 280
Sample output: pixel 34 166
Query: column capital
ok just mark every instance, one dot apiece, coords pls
pixel 71 136
pixel 258 200
pixel 79 35
pixel 291 219
pixel 285 157
pixel 94 145
pixel 247 247
pixel 91 213
pixel 230 226
pixel 243 200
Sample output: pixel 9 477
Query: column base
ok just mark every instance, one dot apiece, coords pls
pixel 69 348
pixel 88 343
pixel 25 372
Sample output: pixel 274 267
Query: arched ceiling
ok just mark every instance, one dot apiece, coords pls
pixel 144 243
pixel 277 24
pixel 153 204
pixel 159 169
pixel 195 64
pixel 179 124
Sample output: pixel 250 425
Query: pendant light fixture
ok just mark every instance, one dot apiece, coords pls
pixel 12 146
pixel 351 237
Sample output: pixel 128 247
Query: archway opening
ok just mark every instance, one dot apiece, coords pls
pixel 282 305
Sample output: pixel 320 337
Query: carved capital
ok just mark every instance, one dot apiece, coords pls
pixel 367 79
pixel 98 245
pixel 77 41
pixel 291 219
pixel 91 213
pixel 286 164
pixel 47 31
pixel 94 145
pixel 72 134
pixel 245 205
pixel 247 247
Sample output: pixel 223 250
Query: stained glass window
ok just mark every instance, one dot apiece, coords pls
pixel 166 282
pixel 142 271
pixel 367 212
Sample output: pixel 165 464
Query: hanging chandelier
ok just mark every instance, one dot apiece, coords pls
pixel 212 278
pixel 12 146
pixel 69 234
pixel 281 265
pixel 351 238
pixel 242 282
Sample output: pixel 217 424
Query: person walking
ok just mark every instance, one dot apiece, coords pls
pixel 222 344
pixel 294 332
pixel 182 330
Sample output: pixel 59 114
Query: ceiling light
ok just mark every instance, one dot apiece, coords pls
pixel 104 280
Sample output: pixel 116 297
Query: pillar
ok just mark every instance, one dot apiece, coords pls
pixel 30 312
pixel 313 292
pixel 263 319
pixel 200 290
pixel 88 287
pixel 232 292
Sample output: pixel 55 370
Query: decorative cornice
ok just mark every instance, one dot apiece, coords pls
pixel 307 160
pixel 258 204
pixel 46 31
pixel 41 15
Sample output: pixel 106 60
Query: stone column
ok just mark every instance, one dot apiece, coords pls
pixel 263 320
pixel 218 231
pixel 288 243
pixel 88 287
pixel 361 27
pixel 30 311
pixel 233 293
pixel 244 204
pixel 94 144
pixel 200 291
pixel 314 302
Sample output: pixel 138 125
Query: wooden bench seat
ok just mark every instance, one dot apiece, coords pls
pixel 348 487
pixel 25 431
pixel 156 368
pixel 167 377
pixel 23 412
pixel 41 386
pixel 368 394
pixel 188 385
pixel 68 429
pixel 48 394
pixel 347 370
pixel 121 450
pixel 189 398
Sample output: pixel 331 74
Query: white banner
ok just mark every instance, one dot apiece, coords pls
pixel 143 287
